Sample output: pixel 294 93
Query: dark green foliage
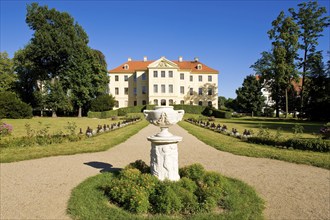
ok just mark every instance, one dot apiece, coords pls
pixel 192 109
pixel 197 191
pixel 249 96
pixel 12 107
pixel 102 103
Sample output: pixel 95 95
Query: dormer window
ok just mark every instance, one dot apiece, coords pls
pixel 126 67
pixel 199 66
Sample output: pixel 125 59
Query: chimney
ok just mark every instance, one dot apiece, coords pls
pixel 180 58
pixel 129 59
pixel 196 59
pixel 145 59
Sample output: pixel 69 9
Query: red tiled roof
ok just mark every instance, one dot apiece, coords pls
pixel 143 65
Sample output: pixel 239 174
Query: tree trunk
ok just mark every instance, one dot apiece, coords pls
pixel 79 112
pixel 54 114
pixel 303 82
pixel 286 103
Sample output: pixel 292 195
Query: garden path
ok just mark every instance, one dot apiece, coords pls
pixel 40 189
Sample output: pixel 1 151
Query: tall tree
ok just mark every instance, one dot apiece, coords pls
pixel 7 75
pixel 285 47
pixel 318 92
pixel 249 96
pixel 312 20
pixel 58 49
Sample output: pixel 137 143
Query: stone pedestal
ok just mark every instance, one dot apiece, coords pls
pixel 164 161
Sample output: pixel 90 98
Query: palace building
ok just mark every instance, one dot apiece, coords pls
pixel 164 82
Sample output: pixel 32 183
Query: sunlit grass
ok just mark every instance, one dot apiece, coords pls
pixel 101 142
pixel 236 146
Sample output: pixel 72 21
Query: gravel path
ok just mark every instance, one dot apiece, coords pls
pixel 40 189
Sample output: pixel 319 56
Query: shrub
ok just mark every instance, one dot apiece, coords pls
pixel 325 131
pixel 105 114
pixel 5 129
pixel 103 102
pixel 194 172
pixel 12 107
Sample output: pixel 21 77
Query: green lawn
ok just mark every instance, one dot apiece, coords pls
pixel 236 146
pixel 101 142
pixel 311 129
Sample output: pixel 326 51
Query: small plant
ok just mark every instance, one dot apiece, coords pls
pixel 325 131
pixel 297 130
pixel 29 131
pixel 5 129
pixel 263 132
pixel 279 134
pixel 71 127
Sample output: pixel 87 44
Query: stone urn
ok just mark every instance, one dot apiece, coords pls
pixel 164 149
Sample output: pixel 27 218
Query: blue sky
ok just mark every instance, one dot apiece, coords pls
pixel 225 35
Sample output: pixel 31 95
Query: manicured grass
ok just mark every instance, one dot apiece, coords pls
pixel 239 147
pixel 98 143
pixel 54 124
pixel 311 129
pixel 88 201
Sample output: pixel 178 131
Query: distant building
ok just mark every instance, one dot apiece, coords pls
pixel 164 82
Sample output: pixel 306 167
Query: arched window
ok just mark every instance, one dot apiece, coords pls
pixel 199 66
pixel 182 102
pixel 200 103
pixel 126 66
pixel 170 102
pixel 209 103
pixel 144 102
pixel 163 102
pixel 156 101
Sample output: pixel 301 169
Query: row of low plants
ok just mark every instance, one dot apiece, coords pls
pixel 192 109
pixel 198 194
pixel 41 136
pixel 264 137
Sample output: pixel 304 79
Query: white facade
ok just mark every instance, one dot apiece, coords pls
pixel 164 82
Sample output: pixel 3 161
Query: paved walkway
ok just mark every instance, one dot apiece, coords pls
pixel 40 189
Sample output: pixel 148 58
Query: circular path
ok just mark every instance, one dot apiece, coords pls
pixel 40 189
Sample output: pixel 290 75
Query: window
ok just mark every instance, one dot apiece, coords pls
pixel 209 78
pixel 134 91
pixel 144 102
pixel 191 102
pixel 144 76
pixel 182 102
pixel 126 91
pixel 181 76
pixel 209 103
pixel 182 89
pixel 191 91
pixel 116 104
pixel 191 78
pixel 163 88
pixel 116 78
pixel 170 74
pixel 155 74
pixel 144 90
pixel 155 101
pixel 200 78
pixel 155 88
pixel 170 88
pixel 126 67
pixel 135 103
pixel 200 103
pixel 200 91
pixel 116 91
pixel 199 66
pixel 162 74
pixel 163 102
pixel 126 77
pixel 170 102
pixel 209 91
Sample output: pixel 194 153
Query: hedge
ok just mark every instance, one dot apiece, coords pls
pixel 105 114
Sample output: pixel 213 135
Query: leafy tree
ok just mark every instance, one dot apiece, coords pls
pixel 7 76
pixel 103 102
pixel 232 104
pixel 249 96
pixel 285 47
pixel 318 92
pixel 311 20
pixel 58 50
pixel 221 102
pixel 56 98
pixel 12 107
